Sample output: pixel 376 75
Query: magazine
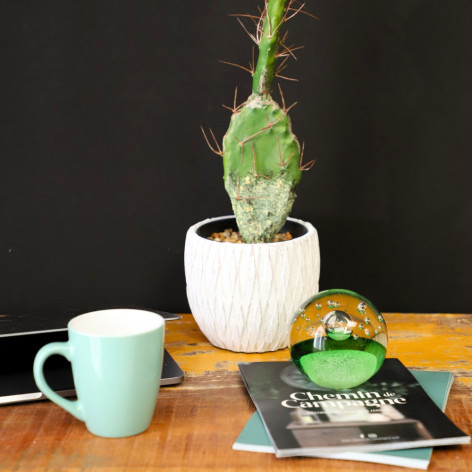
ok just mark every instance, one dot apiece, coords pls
pixel 390 411
pixel 437 385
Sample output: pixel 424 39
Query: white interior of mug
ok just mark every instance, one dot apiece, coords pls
pixel 116 322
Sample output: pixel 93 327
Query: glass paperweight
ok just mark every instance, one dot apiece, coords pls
pixel 338 339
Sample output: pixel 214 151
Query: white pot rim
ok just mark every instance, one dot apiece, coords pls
pixel 310 229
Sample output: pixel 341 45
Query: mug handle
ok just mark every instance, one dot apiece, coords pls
pixel 62 349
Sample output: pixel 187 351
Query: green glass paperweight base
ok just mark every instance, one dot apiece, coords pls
pixel 340 368
pixel 338 339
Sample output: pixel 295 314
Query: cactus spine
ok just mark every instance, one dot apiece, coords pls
pixel 261 155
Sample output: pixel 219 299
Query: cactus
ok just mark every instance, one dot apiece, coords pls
pixel 261 155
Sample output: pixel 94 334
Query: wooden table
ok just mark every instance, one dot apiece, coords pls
pixel 196 423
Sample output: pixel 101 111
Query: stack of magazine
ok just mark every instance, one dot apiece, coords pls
pixel 395 418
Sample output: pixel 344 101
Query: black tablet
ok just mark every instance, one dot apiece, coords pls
pixel 21 337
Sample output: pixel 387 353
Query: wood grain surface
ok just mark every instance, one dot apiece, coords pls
pixel 196 423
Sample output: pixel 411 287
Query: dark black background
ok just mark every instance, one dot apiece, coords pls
pixel 103 166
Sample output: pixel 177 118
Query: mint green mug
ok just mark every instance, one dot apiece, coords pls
pixel 116 358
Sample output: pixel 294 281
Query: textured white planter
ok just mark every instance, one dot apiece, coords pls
pixel 243 296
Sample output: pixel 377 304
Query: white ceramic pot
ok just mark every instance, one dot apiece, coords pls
pixel 243 296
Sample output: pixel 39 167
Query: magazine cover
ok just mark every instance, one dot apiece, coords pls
pixel 437 385
pixel 390 411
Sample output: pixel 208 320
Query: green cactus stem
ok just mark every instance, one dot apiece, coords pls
pixel 261 159
pixel 268 47
pixel 261 155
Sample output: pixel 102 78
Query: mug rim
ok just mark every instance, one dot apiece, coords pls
pixel 99 323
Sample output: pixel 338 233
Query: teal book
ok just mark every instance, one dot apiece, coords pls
pixel 437 385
